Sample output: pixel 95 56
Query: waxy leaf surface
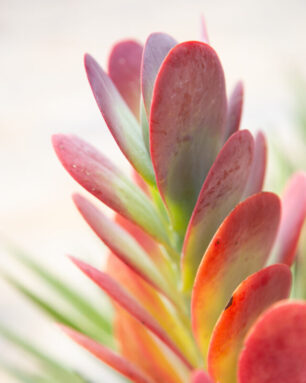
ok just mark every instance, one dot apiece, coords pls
pixel 109 357
pixel 220 193
pixel 249 301
pixel 124 70
pixel 186 125
pixel 293 217
pixel 126 301
pixel 106 182
pixel 234 110
pixel 120 120
pixel 200 377
pixel 258 170
pixel 156 49
pixel 239 248
pixel 274 350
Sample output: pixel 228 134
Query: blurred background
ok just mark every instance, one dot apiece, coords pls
pixel 44 90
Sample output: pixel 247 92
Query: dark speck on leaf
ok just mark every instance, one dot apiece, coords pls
pixel 230 302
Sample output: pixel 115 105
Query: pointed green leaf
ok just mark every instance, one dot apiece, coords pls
pixel 106 182
pixel 119 119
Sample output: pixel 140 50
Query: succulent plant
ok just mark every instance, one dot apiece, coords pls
pixel 199 263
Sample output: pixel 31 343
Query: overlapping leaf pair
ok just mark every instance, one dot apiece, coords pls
pixel 199 259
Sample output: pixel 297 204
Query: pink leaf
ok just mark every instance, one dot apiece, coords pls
pixel 274 350
pixel 186 125
pixel 258 170
pixel 200 376
pixel 124 69
pixel 234 110
pixel 156 49
pixel 293 217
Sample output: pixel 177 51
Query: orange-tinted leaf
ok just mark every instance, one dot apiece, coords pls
pixel 258 170
pixel 249 301
pixel 239 248
pixel 274 350
pixel 293 217
pixel 107 356
pixel 138 346
pixel 126 301
pixel 154 304
pixel 220 193
pixel 186 125
pixel 124 69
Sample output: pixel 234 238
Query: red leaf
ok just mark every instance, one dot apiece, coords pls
pixel 220 193
pixel 239 248
pixel 186 125
pixel 251 298
pixel 274 350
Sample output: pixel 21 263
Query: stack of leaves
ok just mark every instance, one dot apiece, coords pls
pixel 199 263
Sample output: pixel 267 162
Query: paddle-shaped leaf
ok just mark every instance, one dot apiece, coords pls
pixel 119 119
pixel 258 170
pixel 126 301
pixel 138 346
pixel 293 217
pixel 239 248
pixel 107 356
pixel 249 301
pixel 124 69
pixel 121 243
pixel 156 49
pixel 221 191
pixel 274 350
pixel 234 110
pixel 200 376
pixel 186 125
pixel 106 182
pixel 154 304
